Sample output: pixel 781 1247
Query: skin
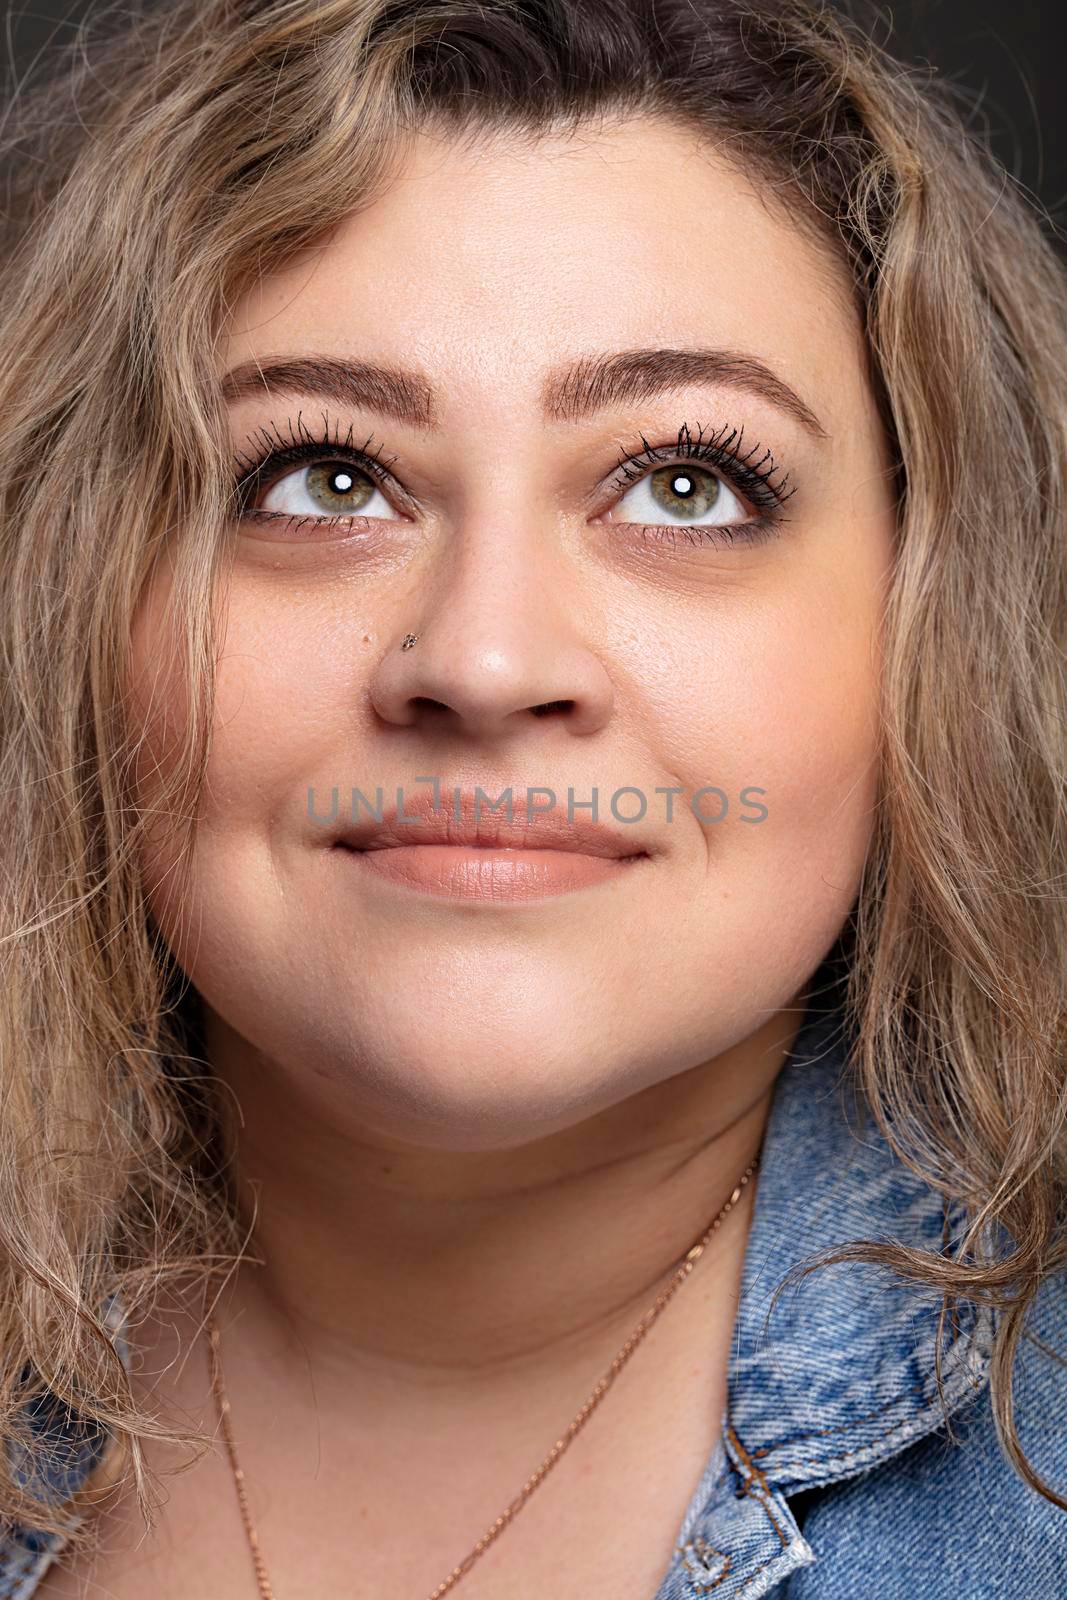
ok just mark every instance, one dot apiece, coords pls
pixel 481 1135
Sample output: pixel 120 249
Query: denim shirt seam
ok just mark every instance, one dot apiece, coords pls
pixel 968 1368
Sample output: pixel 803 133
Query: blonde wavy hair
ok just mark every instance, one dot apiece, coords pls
pixel 171 153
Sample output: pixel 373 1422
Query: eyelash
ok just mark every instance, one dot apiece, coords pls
pixel 753 472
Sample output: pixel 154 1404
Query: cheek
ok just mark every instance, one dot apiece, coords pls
pixel 288 692
pixel 812 722
pixel 787 702
pixel 259 728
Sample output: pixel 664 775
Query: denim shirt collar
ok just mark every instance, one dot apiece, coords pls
pixel 838 1375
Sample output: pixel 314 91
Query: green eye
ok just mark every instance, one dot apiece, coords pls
pixel 335 487
pixel 683 495
pixel 687 491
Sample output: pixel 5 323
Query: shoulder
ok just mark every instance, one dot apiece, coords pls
pixel 27 1554
pixel 25 1557
pixel 951 1513
pixel 79 1464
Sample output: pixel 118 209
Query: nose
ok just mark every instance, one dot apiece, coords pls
pixel 491 655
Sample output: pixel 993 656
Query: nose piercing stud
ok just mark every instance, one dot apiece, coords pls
pixel 409 640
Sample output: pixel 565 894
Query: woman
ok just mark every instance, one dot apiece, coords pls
pixel 652 1186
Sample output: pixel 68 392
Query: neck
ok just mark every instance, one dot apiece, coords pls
pixel 396 1260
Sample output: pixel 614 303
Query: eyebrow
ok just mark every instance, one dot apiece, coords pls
pixel 578 390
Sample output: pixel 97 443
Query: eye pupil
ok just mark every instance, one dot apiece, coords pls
pixel 682 485
pixel 341 481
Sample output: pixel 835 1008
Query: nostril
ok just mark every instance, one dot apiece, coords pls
pixel 551 705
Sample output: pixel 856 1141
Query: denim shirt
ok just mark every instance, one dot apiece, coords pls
pixel 836 1477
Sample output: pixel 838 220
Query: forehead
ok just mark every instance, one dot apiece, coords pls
pixel 489 261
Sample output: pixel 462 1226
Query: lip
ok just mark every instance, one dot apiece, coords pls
pixel 477 827
pixel 480 855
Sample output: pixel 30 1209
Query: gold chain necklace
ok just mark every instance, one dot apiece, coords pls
pixel 681 1272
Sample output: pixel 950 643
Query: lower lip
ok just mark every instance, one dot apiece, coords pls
pixel 478 872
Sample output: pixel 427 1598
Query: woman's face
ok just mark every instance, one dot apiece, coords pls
pixel 582 626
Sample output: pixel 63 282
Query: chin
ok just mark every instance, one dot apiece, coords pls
pixel 450 1082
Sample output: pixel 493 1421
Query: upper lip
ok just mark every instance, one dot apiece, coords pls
pixel 541 830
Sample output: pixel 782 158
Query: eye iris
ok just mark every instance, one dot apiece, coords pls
pixel 333 481
pixel 689 490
